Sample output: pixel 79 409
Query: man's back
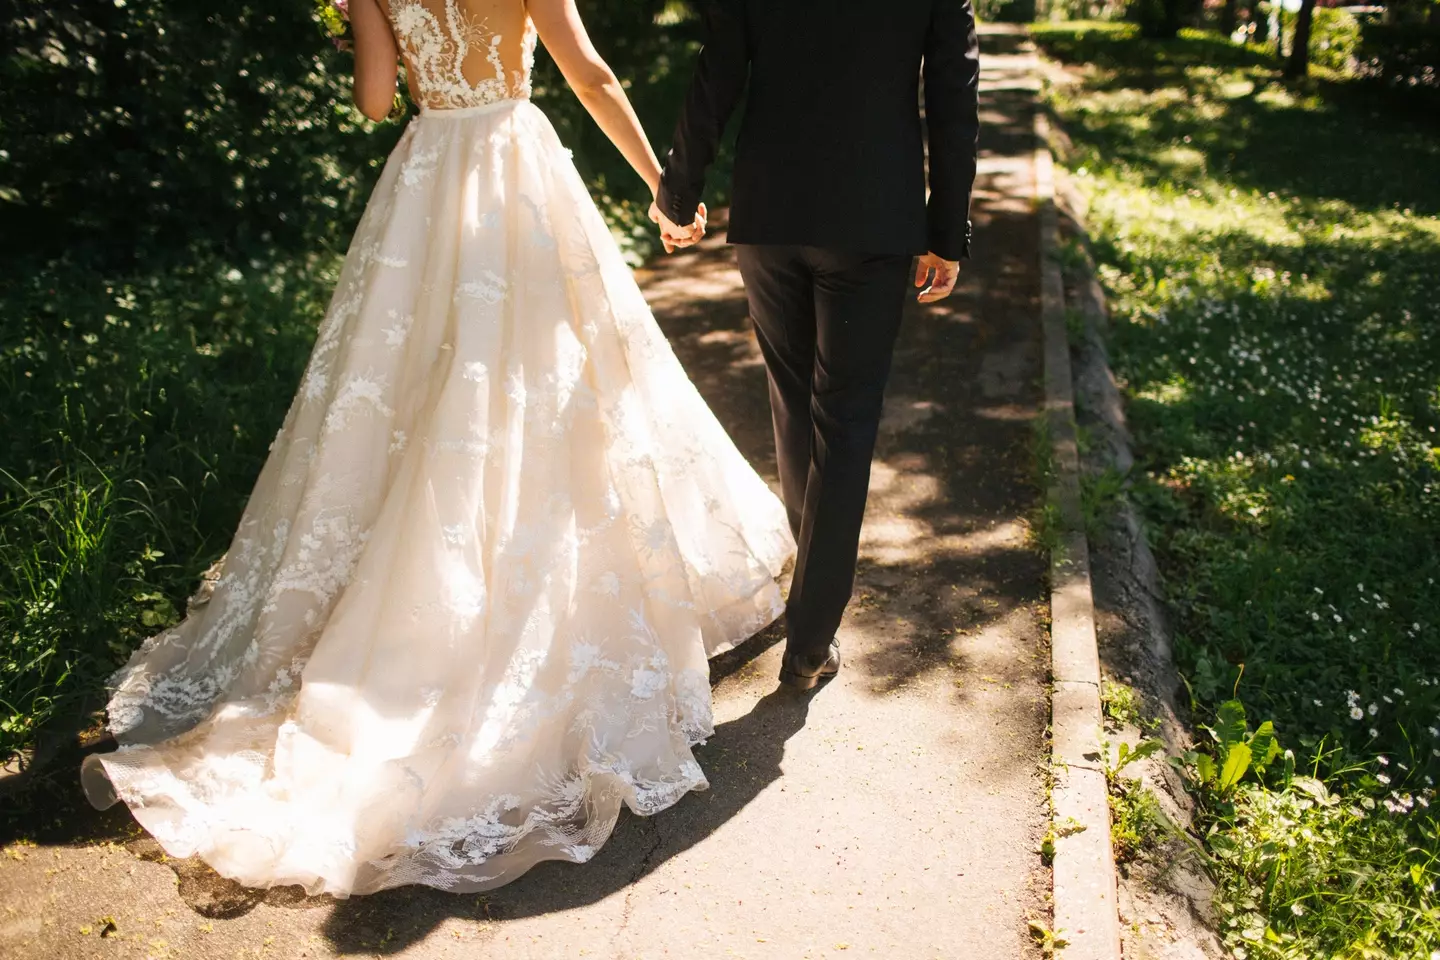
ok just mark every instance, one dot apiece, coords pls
pixel 831 150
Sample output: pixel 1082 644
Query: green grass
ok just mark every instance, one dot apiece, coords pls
pixel 142 430
pixel 1272 259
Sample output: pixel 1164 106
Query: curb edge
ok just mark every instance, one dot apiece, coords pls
pixel 1085 897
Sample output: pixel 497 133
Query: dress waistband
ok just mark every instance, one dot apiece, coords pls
pixel 455 113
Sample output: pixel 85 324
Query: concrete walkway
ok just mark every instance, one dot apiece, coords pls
pixel 896 814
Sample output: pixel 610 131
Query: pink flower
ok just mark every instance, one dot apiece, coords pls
pixel 343 6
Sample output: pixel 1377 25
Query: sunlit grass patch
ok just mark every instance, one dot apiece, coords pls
pixel 1272 260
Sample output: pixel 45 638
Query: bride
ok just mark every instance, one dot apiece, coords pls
pixel 469 605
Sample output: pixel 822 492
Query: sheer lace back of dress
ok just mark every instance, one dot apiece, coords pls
pixel 465 53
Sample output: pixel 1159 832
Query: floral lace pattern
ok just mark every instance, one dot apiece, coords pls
pixel 466 615
pixel 442 39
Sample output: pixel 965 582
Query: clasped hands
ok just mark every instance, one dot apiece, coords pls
pixel 674 236
pixel 934 275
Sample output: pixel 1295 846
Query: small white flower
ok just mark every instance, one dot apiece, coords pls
pixel 1382 778
pixel 1356 713
pixel 1374 709
pixel 1374 734
pixel 1383 761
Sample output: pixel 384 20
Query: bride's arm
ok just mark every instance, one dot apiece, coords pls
pixel 377 59
pixel 594 83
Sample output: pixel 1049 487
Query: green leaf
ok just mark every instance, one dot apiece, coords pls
pixel 1264 747
pixel 1222 844
pixel 1237 761
pixel 1230 724
pixel 1205 767
pixel 1314 788
pixel 1143 749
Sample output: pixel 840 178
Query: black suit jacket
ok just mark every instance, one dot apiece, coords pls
pixel 831 152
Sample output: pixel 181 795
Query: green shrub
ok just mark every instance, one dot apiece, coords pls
pixel 1334 37
pixel 1402 57
pixel 1006 11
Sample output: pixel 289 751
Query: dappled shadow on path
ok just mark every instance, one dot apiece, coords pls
pixel 742 759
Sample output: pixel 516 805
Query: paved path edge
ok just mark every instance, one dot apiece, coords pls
pixel 1086 914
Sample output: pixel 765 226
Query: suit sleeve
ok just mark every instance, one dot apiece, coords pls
pixel 715 89
pixel 952 119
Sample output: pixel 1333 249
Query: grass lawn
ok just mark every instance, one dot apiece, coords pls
pixel 1272 259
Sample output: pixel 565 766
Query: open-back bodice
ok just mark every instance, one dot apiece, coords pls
pixel 465 53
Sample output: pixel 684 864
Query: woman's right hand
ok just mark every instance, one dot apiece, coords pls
pixel 674 236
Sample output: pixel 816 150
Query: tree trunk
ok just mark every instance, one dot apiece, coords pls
pixel 1299 62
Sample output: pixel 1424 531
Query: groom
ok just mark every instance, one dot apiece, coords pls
pixel 829 208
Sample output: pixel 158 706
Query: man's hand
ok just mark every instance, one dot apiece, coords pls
pixel 937 276
pixel 674 236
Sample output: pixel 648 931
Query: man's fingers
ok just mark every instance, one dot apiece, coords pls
pixel 942 286
pixel 922 272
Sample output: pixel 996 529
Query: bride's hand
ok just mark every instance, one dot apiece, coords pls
pixel 674 236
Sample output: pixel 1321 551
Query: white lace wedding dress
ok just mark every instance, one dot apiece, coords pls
pixel 468 609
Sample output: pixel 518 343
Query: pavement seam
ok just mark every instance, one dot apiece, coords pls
pixel 628 906
pixel 1085 896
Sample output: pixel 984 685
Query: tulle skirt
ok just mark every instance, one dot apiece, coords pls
pixel 467 612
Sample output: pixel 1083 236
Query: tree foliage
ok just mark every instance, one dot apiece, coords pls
pixel 136 128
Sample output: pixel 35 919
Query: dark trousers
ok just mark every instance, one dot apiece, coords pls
pixel 826 321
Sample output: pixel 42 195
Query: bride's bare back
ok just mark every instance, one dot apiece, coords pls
pixel 464 53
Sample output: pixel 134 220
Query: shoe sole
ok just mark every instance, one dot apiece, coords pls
pixel 801 682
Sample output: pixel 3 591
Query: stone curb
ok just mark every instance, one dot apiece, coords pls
pixel 1085 897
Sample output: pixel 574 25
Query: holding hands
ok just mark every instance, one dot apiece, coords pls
pixel 674 236
pixel 936 276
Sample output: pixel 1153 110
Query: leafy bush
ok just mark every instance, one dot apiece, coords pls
pixel 1006 11
pixel 1402 56
pixel 139 131
pixel 1334 37
pixel 1162 19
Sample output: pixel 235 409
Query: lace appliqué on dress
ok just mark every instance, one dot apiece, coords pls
pixel 437 47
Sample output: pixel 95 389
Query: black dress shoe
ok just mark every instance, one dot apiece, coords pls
pixel 801 674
